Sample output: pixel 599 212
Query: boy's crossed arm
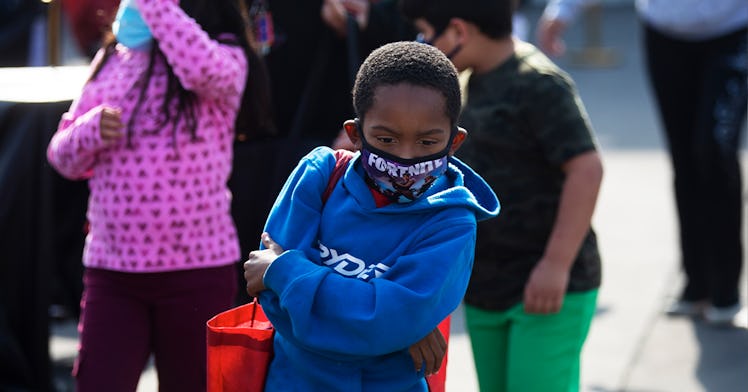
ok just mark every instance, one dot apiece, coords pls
pixel 429 351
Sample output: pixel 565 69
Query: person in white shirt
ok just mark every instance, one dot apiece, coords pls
pixel 696 55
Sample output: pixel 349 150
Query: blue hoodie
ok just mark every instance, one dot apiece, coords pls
pixel 357 285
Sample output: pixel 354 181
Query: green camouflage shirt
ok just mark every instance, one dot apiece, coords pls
pixel 524 120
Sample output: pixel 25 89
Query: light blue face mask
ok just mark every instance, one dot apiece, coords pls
pixel 130 28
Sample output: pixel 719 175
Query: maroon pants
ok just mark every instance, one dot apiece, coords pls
pixel 127 316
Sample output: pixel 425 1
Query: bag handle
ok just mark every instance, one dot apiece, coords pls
pixel 255 304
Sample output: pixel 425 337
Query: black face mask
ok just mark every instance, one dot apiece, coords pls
pixel 420 38
pixel 454 51
pixel 404 161
pixel 402 180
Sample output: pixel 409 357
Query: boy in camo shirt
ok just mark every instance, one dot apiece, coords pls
pixel 537 269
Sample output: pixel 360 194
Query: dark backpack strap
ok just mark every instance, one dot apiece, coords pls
pixel 342 157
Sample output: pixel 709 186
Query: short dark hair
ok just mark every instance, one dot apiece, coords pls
pixel 407 62
pixel 492 17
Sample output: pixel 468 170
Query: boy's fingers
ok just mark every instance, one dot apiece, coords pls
pixel 415 353
pixel 439 347
pixel 440 339
pixel 431 360
pixel 270 244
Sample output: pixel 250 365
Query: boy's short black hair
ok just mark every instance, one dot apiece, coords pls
pixel 407 62
pixel 492 17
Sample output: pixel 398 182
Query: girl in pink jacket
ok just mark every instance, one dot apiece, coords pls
pixel 152 132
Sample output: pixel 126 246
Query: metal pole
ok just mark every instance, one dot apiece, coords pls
pixel 54 16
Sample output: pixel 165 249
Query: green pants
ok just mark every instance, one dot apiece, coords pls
pixel 519 352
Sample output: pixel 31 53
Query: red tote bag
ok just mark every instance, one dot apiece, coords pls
pixel 240 348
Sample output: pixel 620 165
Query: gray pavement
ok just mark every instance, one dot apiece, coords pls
pixel 632 346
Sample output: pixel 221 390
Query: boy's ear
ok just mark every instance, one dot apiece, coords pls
pixel 461 27
pixel 458 140
pixel 351 129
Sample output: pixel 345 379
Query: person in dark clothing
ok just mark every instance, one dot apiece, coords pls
pixel 16 19
pixel 310 51
pixel 695 58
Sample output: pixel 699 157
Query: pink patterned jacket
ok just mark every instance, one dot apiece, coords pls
pixel 155 206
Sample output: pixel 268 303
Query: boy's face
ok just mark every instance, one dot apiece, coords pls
pixel 407 121
pixel 449 41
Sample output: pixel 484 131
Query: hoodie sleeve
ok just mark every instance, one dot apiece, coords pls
pixel 77 141
pixel 73 148
pixel 325 312
pixel 202 65
pixel 295 217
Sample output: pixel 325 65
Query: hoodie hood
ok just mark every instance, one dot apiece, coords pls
pixel 459 186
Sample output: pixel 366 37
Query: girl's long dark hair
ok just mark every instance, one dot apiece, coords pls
pixel 216 17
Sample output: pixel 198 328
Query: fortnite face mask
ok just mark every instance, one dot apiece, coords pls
pixel 402 180
pixel 129 27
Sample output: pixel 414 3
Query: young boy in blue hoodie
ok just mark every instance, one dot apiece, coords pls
pixel 351 283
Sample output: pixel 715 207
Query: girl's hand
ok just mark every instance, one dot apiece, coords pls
pixel 258 262
pixel 110 125
pixel 430 350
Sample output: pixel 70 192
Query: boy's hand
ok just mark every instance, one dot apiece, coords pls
pixel 258 262
pixel 431 350
pixel 549 32
pixel 110 125
pixel 545 290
